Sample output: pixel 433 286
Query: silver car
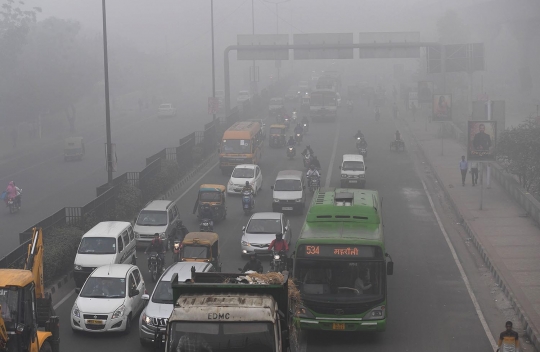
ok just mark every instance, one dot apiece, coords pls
pixel 160 304
pixel 261 229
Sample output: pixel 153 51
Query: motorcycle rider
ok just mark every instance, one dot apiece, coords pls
pixel 157 246
pixel 377 114
pixel 291 142
pixel 299 130
pixel 249 188
pixel 307 151
pixel 254 264
pixel 178 234
pixel 13 192
pixel 315 162
pixel 359 134
pixel 313 172
pixel 305 121
pixel 279 244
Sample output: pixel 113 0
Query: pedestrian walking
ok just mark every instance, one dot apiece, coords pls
pixel 508 339
pixel 463 166
pixel 474 173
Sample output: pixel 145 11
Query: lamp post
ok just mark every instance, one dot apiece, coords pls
pixel 277 24
pixel 213 65
pixel 107 106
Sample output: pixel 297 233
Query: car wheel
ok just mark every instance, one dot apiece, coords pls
pixel 128 325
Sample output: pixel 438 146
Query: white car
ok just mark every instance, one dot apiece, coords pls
pixel 109 300
pixel 166 110
pixel 243 96
pixel 261 230
pixel 242 173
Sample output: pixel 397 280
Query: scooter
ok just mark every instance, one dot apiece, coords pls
pixel 247 202
pixel 291 152
pixel 176 251
pixel 14 204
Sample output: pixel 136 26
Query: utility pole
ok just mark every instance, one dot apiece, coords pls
pixel 278 62
pixel 254 87
pixel 213 65
pixel 107 106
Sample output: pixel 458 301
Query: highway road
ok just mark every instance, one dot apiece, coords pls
pixel 428 303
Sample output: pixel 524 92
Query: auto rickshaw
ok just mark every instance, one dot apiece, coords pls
pixel 211 197
pixel 73 148
pixel 278 136
pixel 201 247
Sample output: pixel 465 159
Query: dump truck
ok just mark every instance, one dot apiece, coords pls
pixel 27 319
pixel 229 312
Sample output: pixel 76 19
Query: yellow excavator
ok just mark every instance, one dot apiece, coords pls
pixel 27 319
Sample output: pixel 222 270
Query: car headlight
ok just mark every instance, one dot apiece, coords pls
pixel 77 267
pixel 303 312
pixel 146 319
pixel 276 200
pixel 298 200
pixel 231 183
pixel 119 312
pixel 246 243
pixel 376 313
pixel 276 256
pixel 343 176
pixel 76 312
pixel 162 235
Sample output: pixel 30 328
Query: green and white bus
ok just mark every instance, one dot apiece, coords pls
pixel 340 263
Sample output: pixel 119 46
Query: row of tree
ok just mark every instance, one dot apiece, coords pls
pixel 518 149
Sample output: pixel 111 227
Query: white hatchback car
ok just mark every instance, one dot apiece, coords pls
pixel 109 300
pixel 242 173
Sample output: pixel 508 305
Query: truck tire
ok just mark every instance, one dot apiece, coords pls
pixel 46 347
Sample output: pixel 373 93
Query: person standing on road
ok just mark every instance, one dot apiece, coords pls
pixel 463 166
pixel 474 173
pixel 508 339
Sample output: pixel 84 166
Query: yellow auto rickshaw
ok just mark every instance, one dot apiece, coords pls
pixel 278 136
pixel 201 247
pixel 73 148
pixel 210 202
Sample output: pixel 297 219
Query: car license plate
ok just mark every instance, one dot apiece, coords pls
pixel 286 208
pixel 338 326
pixel 96 322
pixel 353 181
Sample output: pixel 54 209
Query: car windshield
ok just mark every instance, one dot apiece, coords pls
pixel 194 252
pixel 353 166
pixel 243 172
pixel 276 130
pixel 221 337
pixel 264 226
pixel 104 287
pixel 8 300
pixel 288 185
pixel 163 293
pixel 210 196
pixel 340 281
pixel 97 245
pixel 236 146
pixel 152 218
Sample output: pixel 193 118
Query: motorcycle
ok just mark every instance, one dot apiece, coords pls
pixel 291 152
pixel 294 116
pixel 306 127
pixel 307 160
pixel 279 262
pixel 298 137
pixel 287 122
pixel 206 225
pixel 14 204
pixel 361 147
pixel 247 202
pixel 154 266
pixel 176 250
pixel 314 183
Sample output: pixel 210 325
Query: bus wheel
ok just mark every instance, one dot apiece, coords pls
pixel 46 347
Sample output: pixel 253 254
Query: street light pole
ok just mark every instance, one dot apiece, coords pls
pixel 254 87
pixel 277 26
pixel 213 66
pixel 107 105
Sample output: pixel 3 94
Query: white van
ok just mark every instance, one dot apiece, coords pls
pixel 289 192
pixel 353 171
pixel 109 242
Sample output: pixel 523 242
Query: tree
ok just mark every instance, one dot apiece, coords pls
pixel 519 150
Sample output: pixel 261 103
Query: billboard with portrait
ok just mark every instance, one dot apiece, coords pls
pixel 482 140
pixel 442 107
pixel 425 92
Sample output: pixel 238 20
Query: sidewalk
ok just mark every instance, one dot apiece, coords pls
pixel 508 241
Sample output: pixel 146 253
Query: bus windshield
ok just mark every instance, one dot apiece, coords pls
pixel 236 146
pixel 340 281
pixel 325 99
pixel 221 337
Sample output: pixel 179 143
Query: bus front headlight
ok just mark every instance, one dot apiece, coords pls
pixel 376 313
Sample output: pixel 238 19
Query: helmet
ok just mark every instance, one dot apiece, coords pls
pixel 180 223
pixel 279 236
pixel 156 235
pixel 253 256
pixel 247 183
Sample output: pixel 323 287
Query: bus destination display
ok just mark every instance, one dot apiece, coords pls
pixel 337 251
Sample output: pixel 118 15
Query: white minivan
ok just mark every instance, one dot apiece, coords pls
pixel 109 242
pixel 353 171
pixel 289 192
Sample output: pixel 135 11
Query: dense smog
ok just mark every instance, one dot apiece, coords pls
pixel 188 176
